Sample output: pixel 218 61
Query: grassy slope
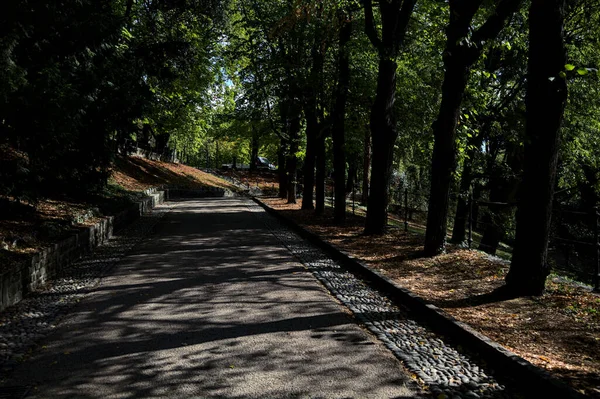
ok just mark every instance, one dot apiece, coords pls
pixel 26 228
pixel 138 174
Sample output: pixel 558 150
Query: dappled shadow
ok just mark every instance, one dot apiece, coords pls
pixel 145 172
pixel 497 295
pixel 556 331
pixel 211 306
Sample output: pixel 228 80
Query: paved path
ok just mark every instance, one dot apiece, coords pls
pixel 211 306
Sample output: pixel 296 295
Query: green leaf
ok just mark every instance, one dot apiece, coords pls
pixel 569 67
pixel 582 71
pixel 562 74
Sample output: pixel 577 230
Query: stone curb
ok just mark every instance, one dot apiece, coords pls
pixel 45 264
pixel 532 379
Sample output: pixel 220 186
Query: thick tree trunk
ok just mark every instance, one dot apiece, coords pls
pixel 546 99
pixel 395 16
pixel 144 141
pixel 309 168
pixel 320 174
pixel 162 141
pixel 292 159
pixel 503 191
pixel 352 176
pixel 217 156
pixel 366 167
pixel 494 231
pixel 312 123
pixel 339 116
pixel 587 191
pixel 281 169
pixel 459 231
pixel 254 144
pixel 460 55
pixel 443 161
pixel 466 178
pixel 292 171
pixel 384 135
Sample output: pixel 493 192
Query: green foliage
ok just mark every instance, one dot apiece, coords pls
pixel 76 75
pixel 82 80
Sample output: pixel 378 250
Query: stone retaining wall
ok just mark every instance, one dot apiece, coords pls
pixel 14 284
pixel 204 192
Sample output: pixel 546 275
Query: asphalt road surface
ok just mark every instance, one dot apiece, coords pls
pixel 211 305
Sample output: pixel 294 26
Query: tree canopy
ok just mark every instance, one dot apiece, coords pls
pixel 434 99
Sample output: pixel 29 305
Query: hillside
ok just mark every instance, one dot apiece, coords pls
pixel 28 226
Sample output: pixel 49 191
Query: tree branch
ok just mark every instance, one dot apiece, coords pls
pixel 403 19
pixel 494 24
pixel 370 25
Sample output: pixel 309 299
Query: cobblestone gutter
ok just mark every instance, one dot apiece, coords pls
pixel 427 340
pixel 25 323
pixel 44 265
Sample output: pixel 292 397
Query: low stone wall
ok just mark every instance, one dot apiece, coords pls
pixel 44 265
pixel 204 192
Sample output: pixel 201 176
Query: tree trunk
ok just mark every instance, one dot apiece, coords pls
pixel 366 166
pixel 395 16
pixel 352 176
pixel 459 233
pixel 309 167
pixel 320 174
pixel 384 135
pixel 587 191
pixel 443 161
pixel 503 190
pixel 292 159
pixel 312 123
pixel 463 48
pixel 217 156
pixel 254 144
pixel 281 169
pixel 546 99
pixel 339 116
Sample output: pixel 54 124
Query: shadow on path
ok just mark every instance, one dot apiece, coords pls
pixel 211 306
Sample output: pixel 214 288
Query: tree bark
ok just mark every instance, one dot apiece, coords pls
pixel 254 145
pixel 459 231
pixel 466 178
pixel 217 156
pixel 462 50
pixel 339 116
pixel 292 159
pixel 352 176
pixel 312 123
pixel 384 135
pixel 395 16
pixel 366 166
pixel 444 154
pixel 503 190
pixel 545 100
pixel 309 168
pixel 320 174
pixel 281 169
